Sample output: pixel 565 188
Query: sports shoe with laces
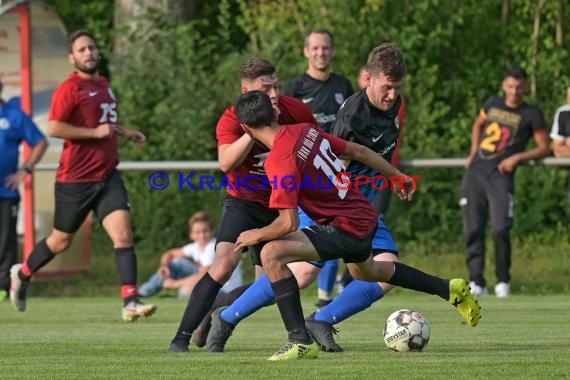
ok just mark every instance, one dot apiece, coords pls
pixel 292 350
pixel 219 333
pixel 18 288
pixel 463 300
pixel 322 333
pixel 135 309
pixel 200 335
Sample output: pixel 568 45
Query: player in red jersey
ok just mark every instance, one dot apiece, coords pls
pixel 246 205
pixel 302 158
pixel 84 114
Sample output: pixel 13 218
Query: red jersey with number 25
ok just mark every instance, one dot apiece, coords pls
pixel 85 103
pixel 302 160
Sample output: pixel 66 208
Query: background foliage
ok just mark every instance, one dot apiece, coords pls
pixel 174 78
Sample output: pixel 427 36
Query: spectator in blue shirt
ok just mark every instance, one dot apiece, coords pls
pixel 15 127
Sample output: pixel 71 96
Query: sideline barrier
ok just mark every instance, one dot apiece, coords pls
pixel 213 165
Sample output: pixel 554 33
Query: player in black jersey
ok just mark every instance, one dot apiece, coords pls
pixel 324 92
pixel 498 139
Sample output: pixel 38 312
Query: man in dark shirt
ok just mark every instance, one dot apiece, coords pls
pixel 560 132
pixel 498 139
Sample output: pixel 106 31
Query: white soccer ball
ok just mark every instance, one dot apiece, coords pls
pixel 406 330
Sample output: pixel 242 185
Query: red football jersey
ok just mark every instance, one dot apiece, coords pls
pixel 85 103
pixel 247 181
pixel 303 169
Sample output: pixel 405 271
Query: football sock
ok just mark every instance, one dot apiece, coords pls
pixel 357 296
pixel 227 299
pixel 126 263
pixel 346 278
pixel 288 300
pixel 412 278
pixel 199 304
pixel 259 294
pixel 327 278
pixel 40 256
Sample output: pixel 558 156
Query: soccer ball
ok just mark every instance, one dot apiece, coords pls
pixel 406 330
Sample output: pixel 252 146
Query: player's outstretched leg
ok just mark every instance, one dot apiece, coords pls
pixel 463 300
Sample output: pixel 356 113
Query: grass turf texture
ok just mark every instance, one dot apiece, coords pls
pixel 71 338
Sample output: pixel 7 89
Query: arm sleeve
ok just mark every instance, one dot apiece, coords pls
pixel 63 102
pixel 32 134
pixel 538 122
pixel 228 129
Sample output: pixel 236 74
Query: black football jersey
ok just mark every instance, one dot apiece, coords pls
pixel 323 98
pixel 506 131
pixel 360 122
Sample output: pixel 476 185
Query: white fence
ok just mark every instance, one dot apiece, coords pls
pixel 213 165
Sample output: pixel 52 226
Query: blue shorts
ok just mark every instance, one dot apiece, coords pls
pixel 382 242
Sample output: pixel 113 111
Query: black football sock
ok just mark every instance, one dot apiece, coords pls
pixel 126 263
pixel 199 304
pixel 412 278
pixel 288 300
pixel 346 278
pixel 227 299
pixel 40 256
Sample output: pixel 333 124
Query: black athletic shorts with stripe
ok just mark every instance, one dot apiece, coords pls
pixel 73 201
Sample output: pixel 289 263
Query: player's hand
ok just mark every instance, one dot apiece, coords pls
pixel 247 238
pixel 15 179
pixel 406 189
pixel 164 271
pixel 135 136
pixel 508 165
pixel 105 131
pixel 469 160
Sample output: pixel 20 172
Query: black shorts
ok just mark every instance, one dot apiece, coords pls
pixel 333 243
pixel 73 201
pixel 239 215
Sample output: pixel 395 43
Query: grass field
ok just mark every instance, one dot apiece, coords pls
pixel 77 338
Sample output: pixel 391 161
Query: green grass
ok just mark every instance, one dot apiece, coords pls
pixel 76 338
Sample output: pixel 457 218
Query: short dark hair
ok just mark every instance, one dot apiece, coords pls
pixel 75 35
pixel 254 108
pixel 319 31
pixel 516 72
pixel 255 67
pixel 388 60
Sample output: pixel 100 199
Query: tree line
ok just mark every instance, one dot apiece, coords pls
pixel 174 66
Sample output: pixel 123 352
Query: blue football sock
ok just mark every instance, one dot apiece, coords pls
pixel 258 295
pixel 327 276
pixel 357 296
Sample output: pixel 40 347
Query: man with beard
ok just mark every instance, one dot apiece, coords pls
pixel 84 114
